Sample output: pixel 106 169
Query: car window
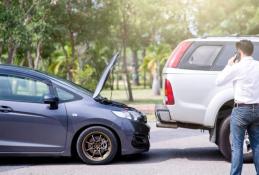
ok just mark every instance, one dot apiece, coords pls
pixel 64 95
pixel 22 89
pixel 229 52
pixel 204 55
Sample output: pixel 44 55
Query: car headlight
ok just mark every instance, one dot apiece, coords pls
pixel 132 115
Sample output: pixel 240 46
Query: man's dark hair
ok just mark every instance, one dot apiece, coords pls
pixel 246 46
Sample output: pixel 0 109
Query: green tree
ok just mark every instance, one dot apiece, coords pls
pixel 13 33
pixel 125 10
pixel 84 24
pixel 228 17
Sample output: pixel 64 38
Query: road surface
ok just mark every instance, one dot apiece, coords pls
pixel 173 152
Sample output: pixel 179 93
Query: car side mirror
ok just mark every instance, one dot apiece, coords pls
pixel 51 100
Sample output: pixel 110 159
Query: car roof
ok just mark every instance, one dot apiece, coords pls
pixel 226 38
pixel 25 70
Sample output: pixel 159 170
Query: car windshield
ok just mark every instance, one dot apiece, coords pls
pixel 70 83
pixel 77 86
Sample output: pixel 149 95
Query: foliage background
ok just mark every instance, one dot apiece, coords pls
pixel 74 39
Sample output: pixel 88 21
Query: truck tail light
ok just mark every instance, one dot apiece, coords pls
pixel 177 54
pixel 169 95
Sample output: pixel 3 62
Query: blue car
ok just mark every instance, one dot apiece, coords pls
pixel 43 115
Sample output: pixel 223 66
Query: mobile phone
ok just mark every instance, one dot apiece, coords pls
pixel 237 58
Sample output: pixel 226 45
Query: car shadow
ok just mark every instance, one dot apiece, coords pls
pixel 164 154
pixel 165 135
pixel 28 161
pixel 153 156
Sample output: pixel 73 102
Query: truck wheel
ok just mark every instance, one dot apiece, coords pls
pixel 97 145
pixel 225 142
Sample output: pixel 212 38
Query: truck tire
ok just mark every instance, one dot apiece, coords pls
pixel 224 142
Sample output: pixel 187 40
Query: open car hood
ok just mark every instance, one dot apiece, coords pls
pixel 105 75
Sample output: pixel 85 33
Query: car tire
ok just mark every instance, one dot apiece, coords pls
pixel 224 142
pixel 97 145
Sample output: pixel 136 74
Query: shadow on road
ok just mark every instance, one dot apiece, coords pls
pixel 160 155
pixel 153 156
pixel 27 161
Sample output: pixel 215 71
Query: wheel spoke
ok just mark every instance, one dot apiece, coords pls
pixel 90 149
pixel 93 153
pixel 90 143
pixel 93 138
pixel 100 153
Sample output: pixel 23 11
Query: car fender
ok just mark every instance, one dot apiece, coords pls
pixel 215 104
pixel 95 121
pixel 88 122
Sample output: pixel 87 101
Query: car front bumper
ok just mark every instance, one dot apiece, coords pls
pixel 136 141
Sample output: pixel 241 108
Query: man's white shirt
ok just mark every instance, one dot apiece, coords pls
pixel 244 76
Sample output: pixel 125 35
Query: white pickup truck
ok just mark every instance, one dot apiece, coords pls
pixel 192 99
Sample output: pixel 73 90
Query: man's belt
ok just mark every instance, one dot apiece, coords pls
pixel 246 105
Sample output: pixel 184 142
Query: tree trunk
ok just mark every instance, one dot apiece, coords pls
pixel 117 81
pixel 145 72
pixel 1 50
pixel 69 77
pixel 112 81
pixel 29 59
pixel 150 80
pixel 135 67
pixel 124 26
pixel 145 78
pixel 72 42
pixel 156 80
pixel 117 78
pixel 156 84
pixel 38 56
pixel 80 69
pixel 72 61
pixel 130 97
pixel 11 52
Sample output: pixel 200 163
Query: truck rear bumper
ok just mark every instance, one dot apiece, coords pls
pixel 163 117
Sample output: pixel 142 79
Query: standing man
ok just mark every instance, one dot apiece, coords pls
pixel 244 75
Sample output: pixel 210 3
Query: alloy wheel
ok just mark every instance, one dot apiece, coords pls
pixel 96 146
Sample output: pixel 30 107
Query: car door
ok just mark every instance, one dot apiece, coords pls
pixel 26 123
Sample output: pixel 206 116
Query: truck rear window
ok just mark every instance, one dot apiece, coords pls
pixel 204 55
pixel 201 58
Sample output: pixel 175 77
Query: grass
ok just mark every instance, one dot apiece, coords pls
pixel 141 96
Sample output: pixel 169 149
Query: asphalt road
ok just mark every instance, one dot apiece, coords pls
pixel 173 151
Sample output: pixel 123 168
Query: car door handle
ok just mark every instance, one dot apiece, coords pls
pixel 5 109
